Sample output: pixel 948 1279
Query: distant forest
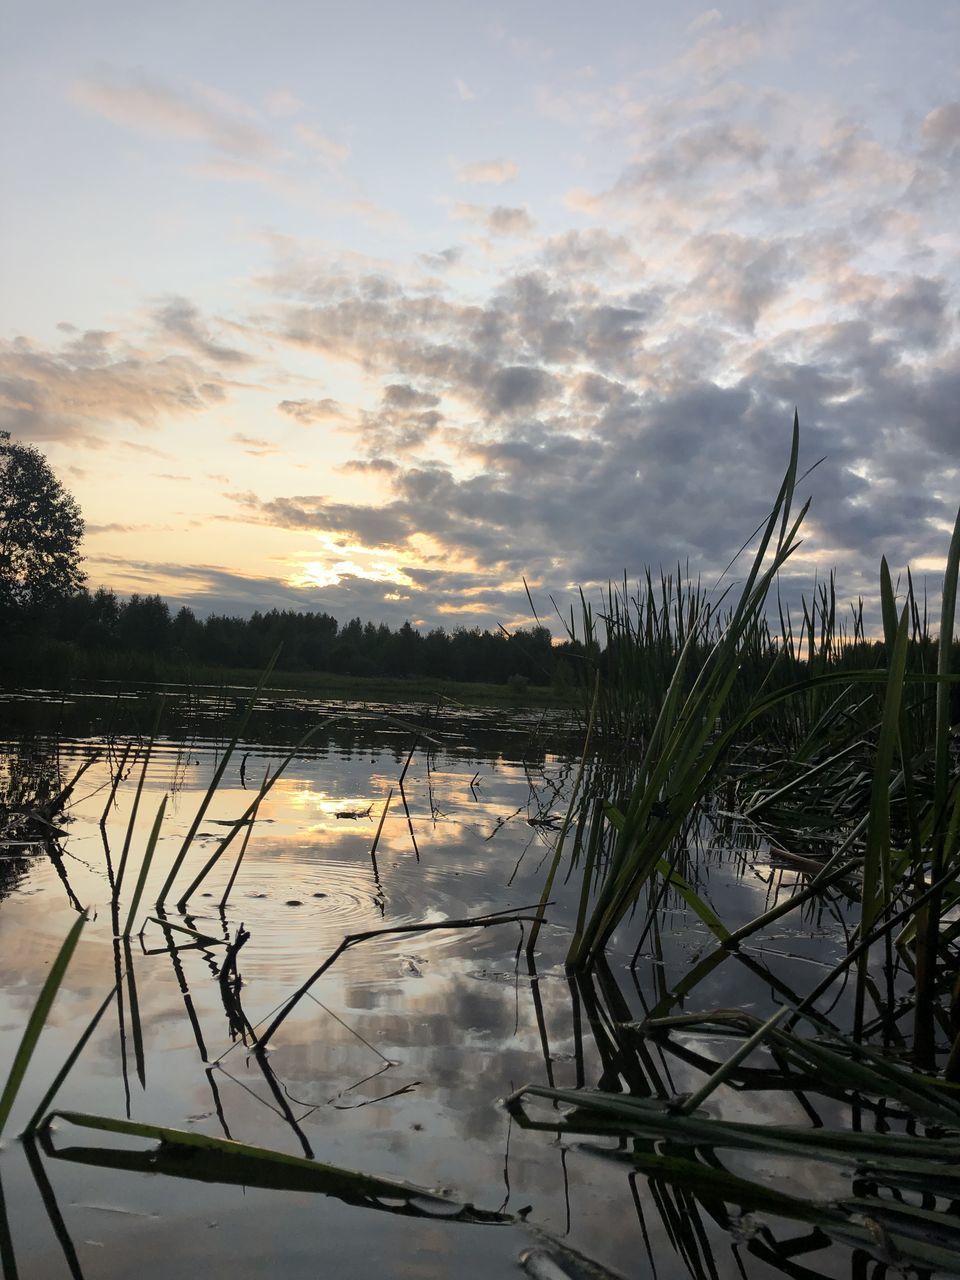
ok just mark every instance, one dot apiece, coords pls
pixel 98 633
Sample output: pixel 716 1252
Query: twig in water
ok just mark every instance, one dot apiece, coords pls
pixel 230 984
pixel 352 939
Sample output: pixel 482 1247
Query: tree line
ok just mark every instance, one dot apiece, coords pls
pixel 101 630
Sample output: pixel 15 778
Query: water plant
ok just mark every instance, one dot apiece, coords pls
pixel 683 751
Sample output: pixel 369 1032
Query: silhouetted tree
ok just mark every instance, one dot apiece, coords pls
pixel 41 529
pixel 185 632
pixel 145 624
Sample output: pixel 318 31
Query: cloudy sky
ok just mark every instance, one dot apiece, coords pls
pixel 380 307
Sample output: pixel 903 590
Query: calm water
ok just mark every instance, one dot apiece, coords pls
pixel 397 1061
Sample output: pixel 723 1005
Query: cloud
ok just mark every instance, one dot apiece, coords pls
pixel 736 277
pixel 915 313
pixel 216 589
pixel 180 319
pixel 229 169
pixel 96 382
pixel 706 19
pixel 366 465
pixel 372 526
pixel 90 530
pixel 198 112
pixel 443 260
pixel 592 252
pixel 941 128
pixel 500 220
pixel 517 387
pixel 488 172
pixel 253 446
pixel 310 411
pixel 602 408
pixel 405 420
pixel 722 48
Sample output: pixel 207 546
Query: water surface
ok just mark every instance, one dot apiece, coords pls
pixel 396 1062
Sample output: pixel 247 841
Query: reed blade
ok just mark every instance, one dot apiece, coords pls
pixel 31 1033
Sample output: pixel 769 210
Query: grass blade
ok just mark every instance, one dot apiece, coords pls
pixel 223 1160
pixel 725 1070
pixel 245 818
pixel 145 867
pixel 36 1020
pixel 47 1099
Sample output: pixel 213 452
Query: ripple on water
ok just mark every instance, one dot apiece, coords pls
pixel 298 911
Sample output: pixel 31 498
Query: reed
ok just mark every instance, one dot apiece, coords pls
pixel 825 743
pixel 244 821
pixel 35 1023
pixel 181 1153
pixel 215 781
pixel 683 752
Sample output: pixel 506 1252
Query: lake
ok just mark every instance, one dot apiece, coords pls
pixel 396 1062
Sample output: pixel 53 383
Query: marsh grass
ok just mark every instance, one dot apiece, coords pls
pixel 824 743
pixel 683 752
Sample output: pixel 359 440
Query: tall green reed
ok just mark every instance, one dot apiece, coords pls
pixel 842 744
pixel 683 750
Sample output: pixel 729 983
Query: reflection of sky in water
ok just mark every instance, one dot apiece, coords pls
pixel 396 1063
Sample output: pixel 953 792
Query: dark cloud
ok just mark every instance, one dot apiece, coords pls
pixel 594 390
pixel 517 387
pixel 916 313
pixel 621 394
pixel 213 589
pixel 373 526
pixel 400 395
pixel 596 416
pixel 405 419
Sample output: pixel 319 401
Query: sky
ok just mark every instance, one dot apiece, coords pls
pixel 382 309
